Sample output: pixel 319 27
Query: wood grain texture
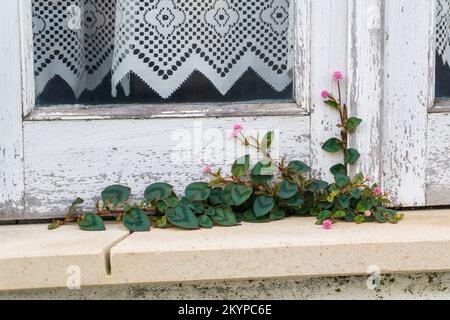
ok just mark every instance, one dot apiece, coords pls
pixel 366 59
pixel 407 90
pixel 328 53
pixel 66 159
pixel 27 53
pixel 11 138
pixel 438 173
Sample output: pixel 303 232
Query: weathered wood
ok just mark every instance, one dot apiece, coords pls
pixel 66 159
pixel 302 65
pixel 26 36
pixel 441 106
pixel 11 139
pixel 165 111
pixel 328 53
pixel 366 43
pixel 407 90
pixel 438 173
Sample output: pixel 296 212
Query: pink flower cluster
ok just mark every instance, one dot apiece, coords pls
pixel 207 169
pixel 237 129
pixel 337 76
pixel 378 191
pixel 327 224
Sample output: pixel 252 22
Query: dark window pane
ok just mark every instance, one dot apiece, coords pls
pixel 443 49
pixel 162 51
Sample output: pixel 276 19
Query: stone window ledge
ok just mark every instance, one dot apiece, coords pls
pixel 33 257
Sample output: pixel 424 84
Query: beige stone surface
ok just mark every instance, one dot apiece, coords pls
pixel 290 248
pixel 33 257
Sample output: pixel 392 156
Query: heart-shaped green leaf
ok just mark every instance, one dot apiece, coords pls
pixel 267 140
pixel 216 196
pixel 363 206
pixel 263 205
pixel 225 217
pixel 197 191
pixel 356 193
pixel 333 145
pixel 351 156
pixel 359 179
pixel 352 124
pixel 316 186
pixel 249 216
pixel 278 214
pixel 158 191
pixel 343 201
pixel 298 167
pixel 287 190
pixel 136 220
pixel 241 166
pixel 339 169
pixel 226 197
pixel 339 214
pixel 240 194
pixel 296 201
pixel 263 172
pixel 116 194
pixel 341 180
pixel 379 217
pixel 77 202
pixel 162 206
pixel 183 217
pixel 205 221
pixel 331 103
pixel 324 215
pixel 92 222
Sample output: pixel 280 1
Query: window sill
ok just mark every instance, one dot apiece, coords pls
pixel 33 257
pixel 164 111
pixel 441 106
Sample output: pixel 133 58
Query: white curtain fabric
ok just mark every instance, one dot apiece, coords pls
pixel 443 30
pixel 162 42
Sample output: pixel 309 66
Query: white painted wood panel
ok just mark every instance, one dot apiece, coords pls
pixel 11 139
pixel 365 54
pixel 407 90
pixel 438 169
pixel 66 159
pixel 328 53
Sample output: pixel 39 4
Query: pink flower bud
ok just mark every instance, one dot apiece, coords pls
pixel 237 128
pixel 378 191
pixel 327 224
pixel 368 213
pixel 207 170
pixel 369 179
pixel 325 94
pixel 337 76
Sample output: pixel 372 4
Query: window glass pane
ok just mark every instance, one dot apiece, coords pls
pixel 443 49
pixel 158 51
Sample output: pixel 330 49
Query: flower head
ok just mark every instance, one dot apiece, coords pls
pixel 325 94
pixel 327 224
pixel 337 76
pixel 237 128
pixel 369 179
pixel 207 169
pixel 368 213
pixel 378 191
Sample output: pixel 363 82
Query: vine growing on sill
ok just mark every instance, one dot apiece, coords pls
pixel 268 191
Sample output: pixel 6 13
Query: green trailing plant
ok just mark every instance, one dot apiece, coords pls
pixel 265 191
pixel 352 199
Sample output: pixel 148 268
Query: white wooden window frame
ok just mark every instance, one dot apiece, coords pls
pixel 387 55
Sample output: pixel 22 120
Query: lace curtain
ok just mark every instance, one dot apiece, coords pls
pixel 162 42
pixel 443 30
